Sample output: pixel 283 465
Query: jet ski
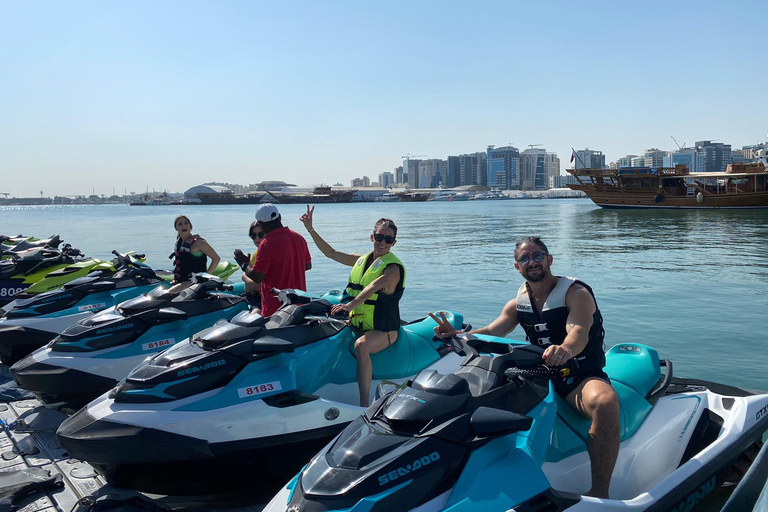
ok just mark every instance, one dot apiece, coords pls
pixel 30 266
pixel 11 246
pixel 28 324
pixel 241 405
pixel 493 436
pixel 91 356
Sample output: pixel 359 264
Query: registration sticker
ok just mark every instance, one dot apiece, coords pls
pixel 89 307
pixel 152 345
pixel 259 389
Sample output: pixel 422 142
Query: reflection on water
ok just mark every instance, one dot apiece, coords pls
pixel 689 282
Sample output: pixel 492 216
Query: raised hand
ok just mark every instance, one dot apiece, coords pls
pixel 444 328
pixel 306 219
pixel 240 258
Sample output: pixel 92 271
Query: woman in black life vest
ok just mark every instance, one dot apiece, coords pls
pixel 190 253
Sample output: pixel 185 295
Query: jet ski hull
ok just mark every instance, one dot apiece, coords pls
pixel 673 456
pixel 162 462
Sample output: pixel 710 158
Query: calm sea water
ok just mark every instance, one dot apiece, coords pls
pixel 690 283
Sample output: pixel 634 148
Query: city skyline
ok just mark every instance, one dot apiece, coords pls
pixel 167 96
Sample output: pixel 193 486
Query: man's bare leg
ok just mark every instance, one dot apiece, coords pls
pixel 596 400
pixel 372 342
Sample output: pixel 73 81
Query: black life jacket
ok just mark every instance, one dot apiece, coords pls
pixel 547 327
pixel 185 263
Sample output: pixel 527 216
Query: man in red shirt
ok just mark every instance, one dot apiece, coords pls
pixel 281 261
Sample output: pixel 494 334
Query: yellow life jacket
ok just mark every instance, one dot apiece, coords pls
pixel 379 312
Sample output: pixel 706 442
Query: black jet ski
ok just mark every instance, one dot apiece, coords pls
pixel 90 357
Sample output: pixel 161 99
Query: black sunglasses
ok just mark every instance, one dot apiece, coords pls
pixel 389 240
pixel 260 234
pixel 538 257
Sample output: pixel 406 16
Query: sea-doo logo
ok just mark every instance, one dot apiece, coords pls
pixel 409 468
pixel 411 397
pixel 762 412
pixel 114 329
pixel 201 368
pixel 629 348
pixel 293 508
pixel 55 298
pixel 696 496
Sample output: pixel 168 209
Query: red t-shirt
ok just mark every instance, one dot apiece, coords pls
pixel 282 258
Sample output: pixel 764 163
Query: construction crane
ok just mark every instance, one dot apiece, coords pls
pixel 408 156
pixel 678 144
pixel 534 145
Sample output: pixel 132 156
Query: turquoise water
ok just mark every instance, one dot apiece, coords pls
pixel 690 283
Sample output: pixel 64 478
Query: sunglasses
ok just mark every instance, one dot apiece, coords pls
pixel 538 257
pixel 257 235
pixel 389 240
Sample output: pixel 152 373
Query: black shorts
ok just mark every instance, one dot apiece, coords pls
pixel 564 386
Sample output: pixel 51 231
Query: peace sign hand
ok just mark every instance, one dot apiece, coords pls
pixel 306 219
pixel 444 329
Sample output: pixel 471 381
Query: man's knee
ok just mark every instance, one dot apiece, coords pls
pixel 604 404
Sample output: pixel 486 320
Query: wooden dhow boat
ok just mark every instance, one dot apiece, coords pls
pixel 742 185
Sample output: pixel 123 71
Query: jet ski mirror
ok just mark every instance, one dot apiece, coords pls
pixel 385 387
pixel 171 314
pixel 489 422
pixel 272 345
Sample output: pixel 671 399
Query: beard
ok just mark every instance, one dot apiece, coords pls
pixel 540 274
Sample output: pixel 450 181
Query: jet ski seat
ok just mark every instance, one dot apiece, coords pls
pixel 414 350
pixel 634 370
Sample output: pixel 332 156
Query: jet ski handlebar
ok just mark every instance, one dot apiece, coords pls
pixel 328 319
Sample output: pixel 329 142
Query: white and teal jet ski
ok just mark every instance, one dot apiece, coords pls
pixel 28 324
pixel 242 405
pixel 493 436
pixel 90 357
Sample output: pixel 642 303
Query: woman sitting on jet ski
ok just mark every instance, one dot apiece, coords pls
pixel 190 253
pixel 253 289
pixel 376 284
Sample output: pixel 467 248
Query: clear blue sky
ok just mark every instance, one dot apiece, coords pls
pixel 170 94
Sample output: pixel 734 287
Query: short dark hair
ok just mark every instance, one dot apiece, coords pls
pixel 385 223
pixel 531 240
pixel 271 225
pixel 254 224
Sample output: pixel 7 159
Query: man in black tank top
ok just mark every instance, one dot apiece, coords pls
pixel 561 314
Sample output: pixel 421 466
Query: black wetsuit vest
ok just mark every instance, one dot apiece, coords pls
pixel 547 327
pixel 186 263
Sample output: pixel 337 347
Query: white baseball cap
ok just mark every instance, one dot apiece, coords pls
pixel 267 213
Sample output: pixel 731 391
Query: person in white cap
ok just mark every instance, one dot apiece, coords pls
pixel 281 261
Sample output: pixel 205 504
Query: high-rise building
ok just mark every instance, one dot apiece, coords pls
pixel 502 167
pixel 654 157
pixel 472 169
pixel 411 172
pixel 715 156
pixel 589 159
pixel 454 172
pixel 551 168
pixel 626 161
pixel 532 169
pixel 688 157
pixel 431 173
pixel 637 161
pixel 365 181
pixel 399 178
pixel 386 179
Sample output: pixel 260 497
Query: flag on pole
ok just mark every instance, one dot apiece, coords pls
pixel 573 154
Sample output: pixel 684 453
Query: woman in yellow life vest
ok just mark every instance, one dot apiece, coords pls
pixel 376 284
